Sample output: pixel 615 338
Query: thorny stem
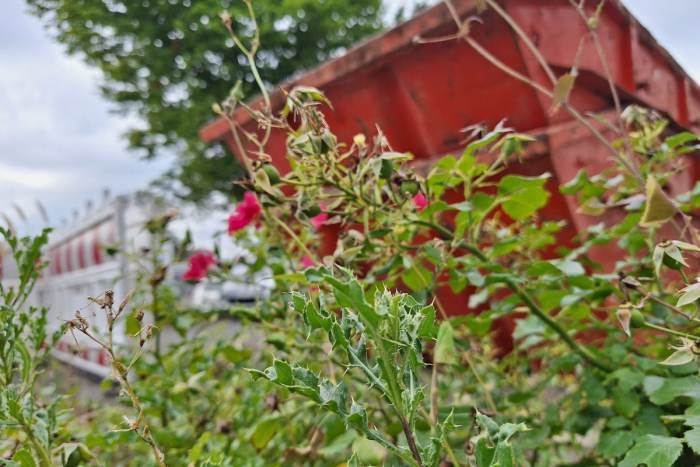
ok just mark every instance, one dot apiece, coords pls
pixel 433 379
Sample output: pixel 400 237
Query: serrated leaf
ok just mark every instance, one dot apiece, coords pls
pixel 692 439
pixel 658 207
pixel 653 450
pixel 522 196
pixel 351 295
pixel 664 390
pixel 614 443
pixel 486 422
pixel 284 373
pixel 427 324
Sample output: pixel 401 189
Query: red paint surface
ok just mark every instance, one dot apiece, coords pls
pixel 422 95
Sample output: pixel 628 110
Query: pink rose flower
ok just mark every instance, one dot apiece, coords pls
pixel 245 213
pixel 319 220
pixel 200 263
pixel 420 202
pixel 307 262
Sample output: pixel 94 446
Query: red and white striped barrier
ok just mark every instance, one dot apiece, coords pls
pixel 83 250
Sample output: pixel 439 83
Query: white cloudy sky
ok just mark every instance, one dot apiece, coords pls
pixel 60 144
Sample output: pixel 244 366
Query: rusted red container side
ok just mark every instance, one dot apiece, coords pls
pixel 422 95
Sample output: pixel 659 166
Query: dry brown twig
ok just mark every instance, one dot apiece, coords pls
pixel 119 372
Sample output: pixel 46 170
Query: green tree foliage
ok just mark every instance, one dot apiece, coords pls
pixel 165 60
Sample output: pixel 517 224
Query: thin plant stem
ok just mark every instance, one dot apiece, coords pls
pixel 45 459
pixel 670 307
pixel 481 382
pixel 296 239
pixel 669 331
pixel 524 37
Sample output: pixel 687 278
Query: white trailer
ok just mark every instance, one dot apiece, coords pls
pixel 80 266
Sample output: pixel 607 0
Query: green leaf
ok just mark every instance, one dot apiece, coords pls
pixel 264 432
pixel 692 439
pixel 235 355
pixel 416 278
pixel 486 422
pixel 132 325
pixel 483 453
pixel 379 233
pixel 351 295
pixel 653 450
pixel 614 443
pixel 661 391
pixel 24 458
pixel 368 452
pixel 285 376
pixel 445 348
pixel 198 448
pixel 522 196
pixel 426 326
pixel 626 403
pixel 569 268
pixel 679 139
pixel 658 208
pixel 679 357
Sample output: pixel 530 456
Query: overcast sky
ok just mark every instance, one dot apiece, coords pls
pixel 60 144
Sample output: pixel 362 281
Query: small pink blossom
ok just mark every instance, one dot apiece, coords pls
pixel 200 263
pixel 307 262
pixel 420 202
pixel 245 213
pixel 321 219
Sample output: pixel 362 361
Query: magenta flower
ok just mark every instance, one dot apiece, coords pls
pixel 420 202
pixel 321 219
pixel 200 263
pixel 245 213
pixel 307 262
